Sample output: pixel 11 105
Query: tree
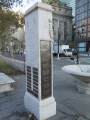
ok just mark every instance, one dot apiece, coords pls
pixel 9 3
pixel 9 22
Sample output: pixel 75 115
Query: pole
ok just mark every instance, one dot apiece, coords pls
pixel 58 39
pixel 24 63
pixel 77 57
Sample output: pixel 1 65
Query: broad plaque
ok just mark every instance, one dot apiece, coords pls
pixel 46 73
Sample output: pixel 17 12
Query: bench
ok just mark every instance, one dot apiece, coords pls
pixel 5 82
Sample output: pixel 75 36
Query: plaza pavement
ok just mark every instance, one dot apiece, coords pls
pixel 70 104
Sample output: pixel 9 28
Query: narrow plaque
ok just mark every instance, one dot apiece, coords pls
pixel 35 81
pixel 46 73
pixel 28 78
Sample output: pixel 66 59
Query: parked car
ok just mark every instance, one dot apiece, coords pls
pixel 74 51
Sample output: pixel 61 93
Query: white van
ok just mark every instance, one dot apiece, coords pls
pixel 67 52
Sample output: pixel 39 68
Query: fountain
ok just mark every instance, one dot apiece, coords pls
pixel 82 73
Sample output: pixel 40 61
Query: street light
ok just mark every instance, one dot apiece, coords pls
pixel 78 50
pixel 58 37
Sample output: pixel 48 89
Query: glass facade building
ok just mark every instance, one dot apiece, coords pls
pixel 71 3
pixel 82 21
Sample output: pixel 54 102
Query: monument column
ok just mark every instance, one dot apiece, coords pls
pixel 38 97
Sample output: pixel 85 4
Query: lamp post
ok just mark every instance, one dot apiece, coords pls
pixel 78 51
pixel 59 33
pixel 58 37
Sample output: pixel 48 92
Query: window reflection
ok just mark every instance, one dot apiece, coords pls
pixel 88 27
pixel 83 18
pixel 83 35
pixel 88 34
pixel 88 20
pixel 81 2
pixel 89 13
pixel 89 6
pixel 84 21
pixel 84 29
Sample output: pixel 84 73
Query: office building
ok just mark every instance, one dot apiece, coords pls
pixel 82 21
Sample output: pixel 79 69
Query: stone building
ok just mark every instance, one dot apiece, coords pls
pixel 62 24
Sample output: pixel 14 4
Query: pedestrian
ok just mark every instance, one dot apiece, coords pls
pixel 88 53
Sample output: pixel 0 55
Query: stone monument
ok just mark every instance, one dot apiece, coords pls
pixel 38 97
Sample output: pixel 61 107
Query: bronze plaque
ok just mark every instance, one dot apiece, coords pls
pixel 35 81
pixel 28 78
pixel 46 72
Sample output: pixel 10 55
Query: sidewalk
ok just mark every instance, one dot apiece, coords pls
pixel 70 104
pixel 84 54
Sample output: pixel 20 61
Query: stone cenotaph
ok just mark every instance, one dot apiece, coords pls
pixel 38 97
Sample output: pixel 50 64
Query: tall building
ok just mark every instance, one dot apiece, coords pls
pixel 71 3
pixel 82 20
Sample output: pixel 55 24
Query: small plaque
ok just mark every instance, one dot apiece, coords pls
pixel 28 78
pixel 35 81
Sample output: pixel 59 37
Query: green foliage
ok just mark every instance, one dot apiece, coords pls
pixel 9 23
pixel 51 2
pixel 5 68
pixel 59 3
pixel 9 3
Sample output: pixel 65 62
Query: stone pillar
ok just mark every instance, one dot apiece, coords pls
pixel 38 97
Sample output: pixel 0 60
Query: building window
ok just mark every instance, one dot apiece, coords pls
pixel 88 20
pixel 88 34
pixel 84 29
pixel 82 47
pixel 89 13
pixel 88 27
pixel 83 35
pixel 83 44
pixel 84 21
pixel 89 6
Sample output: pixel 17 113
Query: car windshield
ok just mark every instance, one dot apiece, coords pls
pixel 68 50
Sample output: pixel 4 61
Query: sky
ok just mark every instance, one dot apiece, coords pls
pixel 26 5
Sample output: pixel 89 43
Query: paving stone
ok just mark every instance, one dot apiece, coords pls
pixel 14 117
pixel 69 102
pixel 81 118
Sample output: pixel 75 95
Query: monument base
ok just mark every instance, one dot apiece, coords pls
pixel 84 88
pixel 41 109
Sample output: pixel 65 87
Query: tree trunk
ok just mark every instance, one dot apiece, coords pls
pixel 4 48
pixel 10 48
